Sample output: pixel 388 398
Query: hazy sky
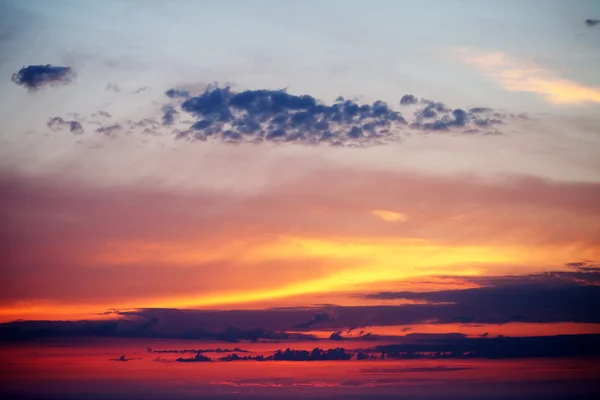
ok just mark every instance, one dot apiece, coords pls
pixel 110 202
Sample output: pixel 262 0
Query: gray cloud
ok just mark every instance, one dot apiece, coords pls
pixel 592 22
pixel 58 123
pixel 109 130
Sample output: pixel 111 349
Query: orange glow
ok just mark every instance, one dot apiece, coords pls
pixel 520 77
pixel 356 264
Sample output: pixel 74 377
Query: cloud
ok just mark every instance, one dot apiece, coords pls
pixel 436 116
pixel 390 216
pixel 113 88
pixel 399 370
pixel 169 114
pixel 592 22
pixel 408 99
pixel 109 130
pixel 255 116
pixel 58 123
pixel 554 296
pixel 453 346
pixel 175 93
pixel 277 116
pixel 517 76
pixel 103 113
pixel 34 77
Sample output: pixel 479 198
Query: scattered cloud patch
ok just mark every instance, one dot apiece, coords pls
pixel 111 87
pixel 169 114
pixel 175 93
pixel 109 130
pixel 142 89
pixel 390 216
pixel 436 116
pixel 34 77
pixel 58 124
pixel 592 22
pixel 517 76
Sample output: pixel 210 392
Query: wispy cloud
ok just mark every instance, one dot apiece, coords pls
pixel 518 76
pixel 390 216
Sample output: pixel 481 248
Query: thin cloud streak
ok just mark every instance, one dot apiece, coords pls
pixel 518 76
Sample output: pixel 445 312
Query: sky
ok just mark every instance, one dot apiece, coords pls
pixel 381 173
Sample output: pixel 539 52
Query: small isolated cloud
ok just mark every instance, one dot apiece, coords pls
pixel 113 88
pixel 34 77
pixel 517 76
pixel 174 93
pixel 390 216
pixel 592 22
pixel 142 89
pixel 58 124
pixel 109 130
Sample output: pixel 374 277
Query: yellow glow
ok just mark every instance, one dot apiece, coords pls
pixel 356 264
pixel 521 77
pixel 390 216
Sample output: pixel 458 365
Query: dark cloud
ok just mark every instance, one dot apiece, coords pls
pixel 316 354
pixel 317 319
pixel 58 123
pixel 439 368
pixel 175 93
pixel 109 130
pixel 169 114
pixel 408 99
pixel 34 77
pixel 197 358
pixel 275 115
pixel 592 22
pixel 456 346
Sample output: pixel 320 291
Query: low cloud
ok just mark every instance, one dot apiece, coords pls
pixel 34 77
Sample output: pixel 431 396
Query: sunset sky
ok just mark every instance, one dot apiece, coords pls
pixel 301 167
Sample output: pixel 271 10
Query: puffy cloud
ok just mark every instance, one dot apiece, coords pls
pixel 277 116
pixel 109 130
pixel 58 123
pixel 408 99
pixel 34 77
